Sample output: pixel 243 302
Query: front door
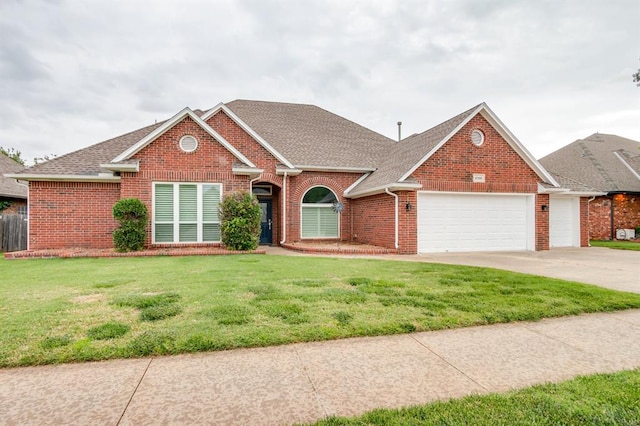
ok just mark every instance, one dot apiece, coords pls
pixel 266 236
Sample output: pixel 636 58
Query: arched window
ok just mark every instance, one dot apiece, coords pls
pixel 318 218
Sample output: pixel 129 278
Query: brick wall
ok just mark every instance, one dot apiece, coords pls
pixel 584 222
pixel 626 215
pixel 71 214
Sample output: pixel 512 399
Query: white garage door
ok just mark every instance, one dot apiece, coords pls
pixel 564 222
pixel 475 222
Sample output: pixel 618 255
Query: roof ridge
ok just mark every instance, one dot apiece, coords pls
pixel 589 155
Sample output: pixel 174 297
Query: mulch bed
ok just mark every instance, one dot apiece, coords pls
pixel 80 252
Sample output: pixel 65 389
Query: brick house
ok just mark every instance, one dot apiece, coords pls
pixel 607 169
pixel 466 184
pixel 13 195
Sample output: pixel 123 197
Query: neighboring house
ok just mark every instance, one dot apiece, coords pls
pixel 607 167
pixel 13 195
pixel 464 185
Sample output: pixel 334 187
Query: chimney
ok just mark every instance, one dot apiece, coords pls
pixel 399 131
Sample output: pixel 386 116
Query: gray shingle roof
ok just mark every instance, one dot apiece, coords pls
pixel 596 162
pixel 307 135
pixel 10 187
pixel 402 156
pixel 86 161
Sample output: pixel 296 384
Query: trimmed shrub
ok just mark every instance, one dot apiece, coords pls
pixel 240 216
pixel 132 215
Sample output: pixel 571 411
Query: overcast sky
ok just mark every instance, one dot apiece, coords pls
pixel 74 73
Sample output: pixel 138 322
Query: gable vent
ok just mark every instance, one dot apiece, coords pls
pixel 188 143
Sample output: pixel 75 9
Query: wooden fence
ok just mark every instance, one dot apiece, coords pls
pixel 13 232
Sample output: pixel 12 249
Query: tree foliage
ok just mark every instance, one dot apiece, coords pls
pixel 636 78
pixel 240 216
pixel 12 153
pixel 131 234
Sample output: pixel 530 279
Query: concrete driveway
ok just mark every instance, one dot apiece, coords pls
pixel 615 269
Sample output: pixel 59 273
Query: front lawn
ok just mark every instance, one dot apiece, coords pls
pixel 619 245
pixel 602 399
pixel 63 310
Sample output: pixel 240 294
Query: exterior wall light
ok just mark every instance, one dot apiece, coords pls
pixel 408 206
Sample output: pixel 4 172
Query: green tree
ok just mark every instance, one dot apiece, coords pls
pixel 240 216
pixel 636 78
pixel 12 153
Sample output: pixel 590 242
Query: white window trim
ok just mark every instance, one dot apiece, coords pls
pixel 176 212
pixel 323 205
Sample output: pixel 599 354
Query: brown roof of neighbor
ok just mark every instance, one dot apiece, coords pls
pixel 307 135
pixel 10 187
pixel 402 156
pixel 600 161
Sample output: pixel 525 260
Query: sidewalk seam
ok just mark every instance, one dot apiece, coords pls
pixel 313 385
pixel 450 364
pixel 144 373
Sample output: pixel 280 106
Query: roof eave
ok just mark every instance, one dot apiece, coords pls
pixel 308 168
pixel 120 167
pixel 289 172
pixel 397 186
pixel 65 178
pixel 245 171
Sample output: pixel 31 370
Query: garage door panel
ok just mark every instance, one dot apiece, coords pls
pixel 473 222
pixel 564 222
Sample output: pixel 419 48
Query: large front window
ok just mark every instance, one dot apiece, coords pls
pixel 319 218
pixel 186 212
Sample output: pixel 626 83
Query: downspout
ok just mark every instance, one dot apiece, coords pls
pixel 613 231
pixel 588 224
pixel 396 214
pixel 284 209
pixel 251 183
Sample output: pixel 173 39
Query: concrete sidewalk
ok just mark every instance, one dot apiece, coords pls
pixel 306 382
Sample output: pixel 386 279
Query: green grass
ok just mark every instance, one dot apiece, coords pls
pixel 171 305
pixel 602 399
pixel 619 245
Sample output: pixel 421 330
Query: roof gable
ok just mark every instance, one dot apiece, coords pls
pixel 186 112
pixel 605 162
pixel 402 160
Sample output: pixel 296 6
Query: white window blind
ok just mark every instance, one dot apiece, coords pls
pixel 186 212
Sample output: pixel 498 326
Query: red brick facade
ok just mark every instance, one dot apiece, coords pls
pixel 71 214
pixel 607 214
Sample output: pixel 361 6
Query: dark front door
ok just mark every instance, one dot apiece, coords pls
pixel 266 236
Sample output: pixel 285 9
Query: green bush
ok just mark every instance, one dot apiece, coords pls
pixel 240 217
pixel 132 215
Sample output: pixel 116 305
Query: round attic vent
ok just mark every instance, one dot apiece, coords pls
pixel 477 137
pixel 188 143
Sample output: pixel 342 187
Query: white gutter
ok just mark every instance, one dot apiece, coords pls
pixel 284 208
pixel 64 178
pixel 396 214
pixel 310 168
